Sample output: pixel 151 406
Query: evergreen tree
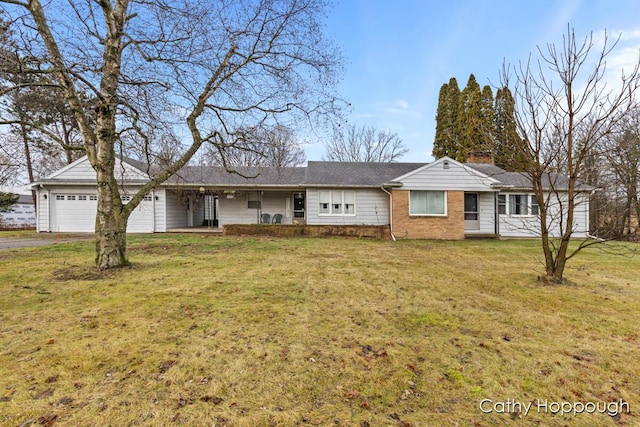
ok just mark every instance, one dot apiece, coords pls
pixel 7 200
pixel 469 119
pixel 446 138
pixel 486 136
pixel 509 149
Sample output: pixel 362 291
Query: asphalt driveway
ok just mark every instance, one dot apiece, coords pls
pixel 14 243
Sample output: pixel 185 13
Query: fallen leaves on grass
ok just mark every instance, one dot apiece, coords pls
pixel 44 394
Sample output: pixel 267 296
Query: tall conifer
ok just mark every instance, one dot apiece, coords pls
pixel 469 119
pixel 446 138
pixel 509 151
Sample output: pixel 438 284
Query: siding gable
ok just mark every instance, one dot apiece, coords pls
pixel 82 170
pixel 446 174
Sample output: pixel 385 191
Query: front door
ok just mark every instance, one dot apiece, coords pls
pixel 211 210
pixel 471 212
pixel 298 206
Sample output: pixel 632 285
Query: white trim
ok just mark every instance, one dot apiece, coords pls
pixel 451 161
pixel 342 193
pixel 446 198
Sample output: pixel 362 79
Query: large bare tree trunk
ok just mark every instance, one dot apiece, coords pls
pixel 111 220
pixel 203 69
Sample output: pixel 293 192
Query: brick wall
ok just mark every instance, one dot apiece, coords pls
pixel 289 230
pixel 449 227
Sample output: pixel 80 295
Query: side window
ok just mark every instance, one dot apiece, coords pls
pixel 502 204
pixel 518 204
pixel 324 200
pixel 535 207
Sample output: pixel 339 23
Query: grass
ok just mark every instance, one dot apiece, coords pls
pixel 270 331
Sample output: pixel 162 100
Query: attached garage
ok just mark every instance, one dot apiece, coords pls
pixel 76 213
pixel 68 200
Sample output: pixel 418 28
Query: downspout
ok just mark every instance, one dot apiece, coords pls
pixel 496 213
pixel 153 217
pixel 36 194
pixel 393 237
pixel 48 211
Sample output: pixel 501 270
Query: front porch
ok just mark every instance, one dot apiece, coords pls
pixel 211 208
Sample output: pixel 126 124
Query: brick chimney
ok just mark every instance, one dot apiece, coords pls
pixel 485 157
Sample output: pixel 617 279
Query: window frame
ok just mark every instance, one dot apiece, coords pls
pixel 513 205
pixel 530 208
pixel 444 201
pixel 532 211
pixel 329 205
pixel 502 204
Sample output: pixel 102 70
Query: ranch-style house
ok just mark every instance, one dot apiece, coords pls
pixel 444 199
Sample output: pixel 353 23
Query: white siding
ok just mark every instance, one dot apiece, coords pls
pixel 276 203
pixel 446 175
pixel 372 208
pixel 42 210
pixel 529 225
pixel 235 211
pixel 81 170
pixel 159 209
pixel 176 211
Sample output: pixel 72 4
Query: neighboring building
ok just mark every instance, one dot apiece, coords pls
pixel 21 215
pixel 444 199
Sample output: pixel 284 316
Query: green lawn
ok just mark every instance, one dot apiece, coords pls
pixel 231 331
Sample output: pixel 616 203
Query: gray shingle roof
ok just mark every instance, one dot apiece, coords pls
pixel 356 173
pixel 520 180
pixel 361 174
pixel 245 176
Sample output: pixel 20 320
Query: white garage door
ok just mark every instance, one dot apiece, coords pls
pixel 76 213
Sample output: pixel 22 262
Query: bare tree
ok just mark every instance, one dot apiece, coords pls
pixel 621 169
pixel 274 146
pixel 203 68
pixel 364 144
pixel 563 108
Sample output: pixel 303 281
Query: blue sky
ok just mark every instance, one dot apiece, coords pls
pixel 399 53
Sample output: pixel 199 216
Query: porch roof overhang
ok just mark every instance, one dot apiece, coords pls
pixel 196 186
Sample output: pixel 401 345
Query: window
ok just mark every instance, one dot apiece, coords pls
pixel 337 202
pixel 82 197
pixel 349 199
pixel 125 198
pixel 147 198
pixel 93 197
pixel 324 198
pixel 253 201
pixel 535 207
pixel 71 197
pixel 59 197
pixel 502 204
pixel 427 203
pixel 518 204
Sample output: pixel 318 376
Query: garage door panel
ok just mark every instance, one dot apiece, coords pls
pixel 77 213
